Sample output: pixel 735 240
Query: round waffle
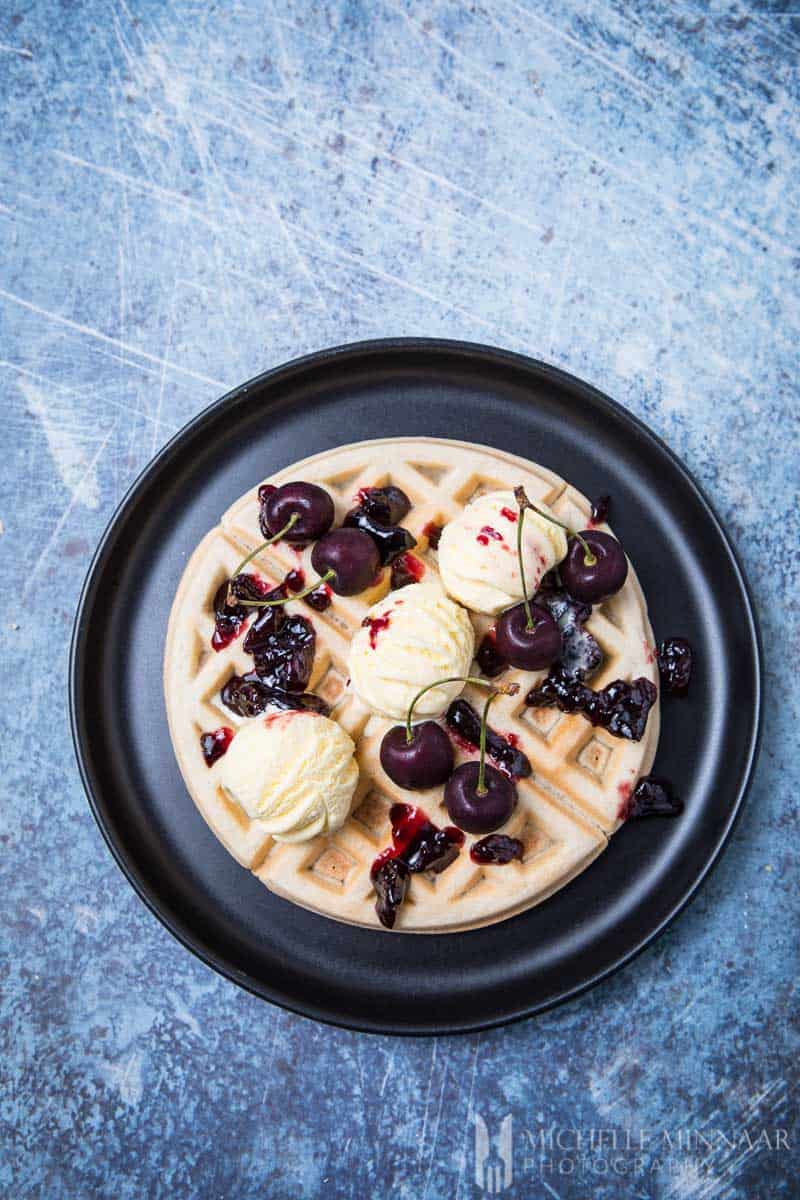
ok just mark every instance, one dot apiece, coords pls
pixel 581 776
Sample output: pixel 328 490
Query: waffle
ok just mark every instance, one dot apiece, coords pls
pixel 581 775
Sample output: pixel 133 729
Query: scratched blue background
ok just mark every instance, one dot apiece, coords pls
pixel 193 192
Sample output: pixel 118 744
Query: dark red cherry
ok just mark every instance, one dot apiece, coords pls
pixel 489 658
pixel 675 665
pixel 479 813
pixel 424 762
pixel 391 884
pixel 385 504
pixel 529 649
pixel 312 505
pixel 599 579
pixel 353 558
pixel 390 540
pixel 497 848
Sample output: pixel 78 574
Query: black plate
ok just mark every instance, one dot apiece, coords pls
pixel 353 977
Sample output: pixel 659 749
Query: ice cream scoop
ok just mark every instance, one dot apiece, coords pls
pixel 478 561
pixel 411 638
pixel 293 772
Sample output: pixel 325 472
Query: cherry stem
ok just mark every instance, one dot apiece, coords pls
pixel 312 587
pixel 523 504
pixel 589 557
pixel 481 788
pixel 500 689
pixel 293 519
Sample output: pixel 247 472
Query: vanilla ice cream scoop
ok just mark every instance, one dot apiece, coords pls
pixel 478 561
pixel 410 639
pixel 293 772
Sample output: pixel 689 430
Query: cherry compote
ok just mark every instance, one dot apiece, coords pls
pixel 248 696
pixel 463 721
pixel 497 848
pixel 622 708
pixel 675 665
pixel 215 744
pixel 417 845
pixel 652 797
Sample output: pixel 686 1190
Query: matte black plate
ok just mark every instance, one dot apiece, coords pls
pixel 353 977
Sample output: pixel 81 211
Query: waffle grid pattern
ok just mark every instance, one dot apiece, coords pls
pixel 581 775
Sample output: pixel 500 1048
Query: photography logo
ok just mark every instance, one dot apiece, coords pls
pixel 494 1165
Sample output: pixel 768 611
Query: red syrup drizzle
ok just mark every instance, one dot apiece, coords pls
pixel 215 744
pixel 432 532
pixel 319 599
pixel 624 792
pixel 486 533
pixel 412 831
pixel 376 626
pixel 407 569
pixel 509 515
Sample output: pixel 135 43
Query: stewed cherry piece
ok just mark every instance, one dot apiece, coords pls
pixel 349 559
pixel 595 566
pixel 476 808
pixel 425 761
pixel 675 665
pixel 385 504
pixel 533 645
pixel 310 505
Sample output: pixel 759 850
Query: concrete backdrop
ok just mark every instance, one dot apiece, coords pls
pixel 193 192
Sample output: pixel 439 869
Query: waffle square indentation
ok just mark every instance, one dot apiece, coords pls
pixel 594 757
pixel 334 865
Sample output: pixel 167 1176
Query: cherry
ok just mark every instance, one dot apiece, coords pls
pixel 528 637
pixel 425 761
pixel 309 505
pixel 350 563
pixel 479 798
pixel 421 756
pixel 348 559
pixel 479 809
pixel 595 566
pixel 489 658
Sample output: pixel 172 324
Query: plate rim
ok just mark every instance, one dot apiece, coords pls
pixel 79 643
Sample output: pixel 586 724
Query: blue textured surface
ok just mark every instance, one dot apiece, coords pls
pixel 190 193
